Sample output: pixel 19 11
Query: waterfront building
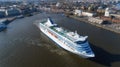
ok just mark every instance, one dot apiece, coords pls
pixel 116 15
pixel 13 12
pixel 78 12
pixel 88 14
pixel 2 13
pixel 107 12
pixel 95 20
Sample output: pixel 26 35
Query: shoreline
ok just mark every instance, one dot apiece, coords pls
pixel 97 25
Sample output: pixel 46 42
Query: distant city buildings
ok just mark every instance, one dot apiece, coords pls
pixel 8 9
pixel 103 1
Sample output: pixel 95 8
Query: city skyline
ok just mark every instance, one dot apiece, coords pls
pixel 62 0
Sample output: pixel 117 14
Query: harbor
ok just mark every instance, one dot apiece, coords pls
pixel 111 27
pixel 59 33
pixel 23 44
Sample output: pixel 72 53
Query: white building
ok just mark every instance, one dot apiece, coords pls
pixel 78 12
pixel 107 12
pixel 81 13
pixel 58 4
pixel 88 14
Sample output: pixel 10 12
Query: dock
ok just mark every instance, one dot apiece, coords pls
pixel 106 27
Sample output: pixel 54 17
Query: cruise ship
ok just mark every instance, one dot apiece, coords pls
pixel 70 41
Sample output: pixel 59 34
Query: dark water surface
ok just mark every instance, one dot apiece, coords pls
pixel 24 45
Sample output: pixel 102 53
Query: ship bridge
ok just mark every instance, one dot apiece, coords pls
pixel 73 36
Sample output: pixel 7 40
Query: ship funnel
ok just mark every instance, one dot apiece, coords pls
pixel 49 22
